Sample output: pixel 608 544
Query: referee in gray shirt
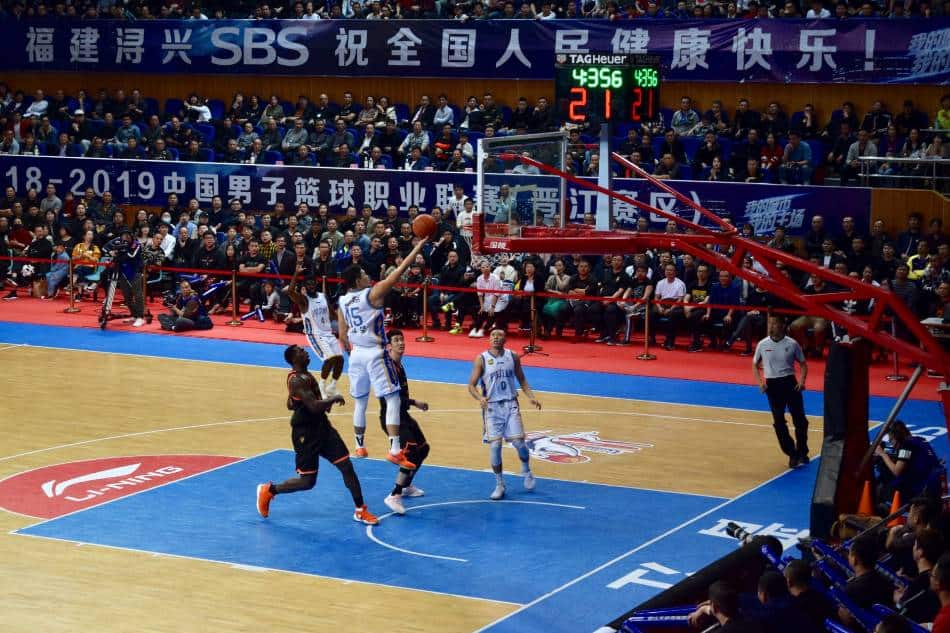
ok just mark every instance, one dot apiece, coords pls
pixel 777 353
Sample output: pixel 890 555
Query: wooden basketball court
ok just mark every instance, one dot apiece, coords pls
pixel 64 406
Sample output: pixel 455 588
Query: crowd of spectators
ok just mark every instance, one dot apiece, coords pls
pixel 595 297
pixel 744 145
pixel 464 10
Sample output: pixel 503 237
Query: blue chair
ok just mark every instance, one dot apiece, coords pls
pixel 685 172
pixel 271 157
pixel 217 109
pixel 206 130
pixel 387 160
pixel 402 112
pixel 690 145
pixel 74 149
pixel 151 106
pixel 288 107
pixel 505 115
pixel 796 119
pixel 172 107
pixel 207 154
pixel 174 153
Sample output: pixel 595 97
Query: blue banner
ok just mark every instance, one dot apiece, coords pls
pixel 802 51
pixel 260 187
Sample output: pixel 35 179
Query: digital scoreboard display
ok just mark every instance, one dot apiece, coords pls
pixel 601 88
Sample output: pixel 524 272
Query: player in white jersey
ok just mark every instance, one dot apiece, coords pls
pixel 318 330
pixel 493 384
pixel 363 334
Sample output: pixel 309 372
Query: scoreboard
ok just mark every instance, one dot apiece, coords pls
pixel 601 88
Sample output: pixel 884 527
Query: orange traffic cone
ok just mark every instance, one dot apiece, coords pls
pixel 866 505
pixel 895 506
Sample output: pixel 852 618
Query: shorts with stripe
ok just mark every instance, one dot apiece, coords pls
pixel 324 345
pixel 502 420
pixel 311 442
pixel 371 366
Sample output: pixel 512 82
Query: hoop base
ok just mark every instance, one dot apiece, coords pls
pixel 234 322
pixel 895 378
pixel 424 339
pixel 72 310
pixel 646 356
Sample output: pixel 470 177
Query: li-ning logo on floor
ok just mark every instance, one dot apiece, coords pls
pixel 53 489
pixel 60 489
pixel 569 448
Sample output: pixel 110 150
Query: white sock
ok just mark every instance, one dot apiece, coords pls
pixel 359 439
pixel 500 478
pixel 394 447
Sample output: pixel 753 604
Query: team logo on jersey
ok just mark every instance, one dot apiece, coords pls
pixel 60 489
pixel 491 361
pixel 570 448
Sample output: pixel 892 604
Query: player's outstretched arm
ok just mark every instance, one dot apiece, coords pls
pixel 310 401
pixel 525 387
pixel 377 294
pixel 294 293
pixel 478 368
pixel 343 329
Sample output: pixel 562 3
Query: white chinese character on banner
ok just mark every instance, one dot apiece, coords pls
pixel 351 47
pixel 341 193
pixel 39 44
pixel 177 44
pixel 239 187
pixel 458 48
pixel 443 196
pixel 625 214
pixel 582 201
pixel 404 51
pixel 813 48
pixel 931 51
pixel 84 45
pixel 129 45
pixel 630 41
pixel 376 194
pixel 513 50
pixel 547 205
pixel 307 190
pixel 206 187
pixel 273 187
pixel 412 194
pixel 173 183
pixel 490 197
pixel 690 48
pixel 571 41
pixel 751 48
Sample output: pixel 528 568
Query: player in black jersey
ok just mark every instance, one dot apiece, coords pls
pixel 313 437
pixel 411 438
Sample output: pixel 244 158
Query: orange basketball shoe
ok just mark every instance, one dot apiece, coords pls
pixel 361 452
pixel 400 459
pixel 264 496
pixel 363 515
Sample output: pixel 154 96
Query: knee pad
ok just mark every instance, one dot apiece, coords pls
pixel 359 411
pixel 494 449
pixel 393 409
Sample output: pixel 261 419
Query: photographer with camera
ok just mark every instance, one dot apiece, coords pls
pixel 186 311
pixel 127 257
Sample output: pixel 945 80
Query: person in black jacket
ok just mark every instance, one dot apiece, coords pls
pixel 450 276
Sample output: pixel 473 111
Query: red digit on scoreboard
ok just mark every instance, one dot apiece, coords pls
pixel 607 104
pixel 572 111
pixel 635 107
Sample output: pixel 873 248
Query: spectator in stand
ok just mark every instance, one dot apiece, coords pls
pixel 796 163
pixel 685 120
pixel 58 272
pixel 909 119
pixel 917 601
pixel 583 284
pixel 940 584
pixel 771 154
pixel 818 325
pixel 488 286
pixel 907 241
pixel 706 152
pixel 745 120
pixel 697 317
pixel 742 152
pixel 450 277
pixel 671 291
pixel 867 587
pixel 718 118
pixel 607 316
pixel 668 169
pixel 774 121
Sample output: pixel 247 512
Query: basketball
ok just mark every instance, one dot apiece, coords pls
pixel 424 226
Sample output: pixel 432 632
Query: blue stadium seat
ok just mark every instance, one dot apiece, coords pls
pixel 796 119
pixel 174 153
pixel 685 172
pixel 206 130
pixel 217 109
pixel 151 107
pixel 207 154
pixel 402 112
pixel 667 114
pixel 74 149
pixel 387 160
pixel 690 145
pixel 172 107
pixel 288 107
pixel 271 157
pixel 818 152
pixel 505 115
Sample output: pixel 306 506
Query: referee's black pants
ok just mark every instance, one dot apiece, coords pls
pixel 782 394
